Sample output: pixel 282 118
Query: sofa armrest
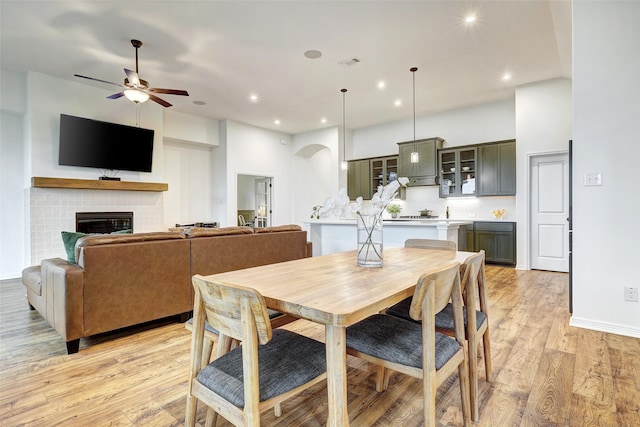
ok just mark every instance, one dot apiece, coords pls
pixel 62 293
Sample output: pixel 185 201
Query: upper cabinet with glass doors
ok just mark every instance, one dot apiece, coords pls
pixel 458 169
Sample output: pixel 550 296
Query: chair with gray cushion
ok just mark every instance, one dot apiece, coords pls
pixel 430 244
pixel 269 367
pixel 475 297
pixel 416 349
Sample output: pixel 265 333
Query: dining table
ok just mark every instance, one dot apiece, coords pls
pixel 334 291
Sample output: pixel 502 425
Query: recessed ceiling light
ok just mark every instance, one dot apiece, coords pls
pixel 470 19
pixel 276 121
pixel 323 120
pixel 397 103
pixel 506 76
pixel 199 102
pixel 381 84
pixel 313 54
pixel 253 97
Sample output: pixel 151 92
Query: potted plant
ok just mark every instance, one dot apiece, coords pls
pixel 394 209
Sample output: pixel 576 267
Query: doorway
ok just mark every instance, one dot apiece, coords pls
pixel 254 200
pixel 549 212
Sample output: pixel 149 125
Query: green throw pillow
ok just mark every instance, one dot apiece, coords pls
pixel 69 240
pixel 127 231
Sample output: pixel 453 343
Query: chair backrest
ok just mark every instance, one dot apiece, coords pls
pixel 437 288
pixel 473 286
pixel 235 311
pixel 241 220
pixel 430 244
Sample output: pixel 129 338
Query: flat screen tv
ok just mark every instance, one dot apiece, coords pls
pixel 103 145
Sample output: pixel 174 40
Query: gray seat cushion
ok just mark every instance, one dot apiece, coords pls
pixel 397 340
pixel 287 361
pixel 444 319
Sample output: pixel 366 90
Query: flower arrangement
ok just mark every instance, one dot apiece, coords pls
pixel 337 206
pixel 497 213
pixel 370 221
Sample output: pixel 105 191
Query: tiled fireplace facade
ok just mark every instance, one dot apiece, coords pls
pixel 53 210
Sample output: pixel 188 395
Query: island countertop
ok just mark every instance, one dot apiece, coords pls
pixel 330 235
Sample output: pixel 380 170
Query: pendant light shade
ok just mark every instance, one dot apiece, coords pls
pixel 344 165
pixel 415 157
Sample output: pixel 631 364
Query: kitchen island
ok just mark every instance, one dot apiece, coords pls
pixel 338 235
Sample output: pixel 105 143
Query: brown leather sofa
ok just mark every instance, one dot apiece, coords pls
pixel 125 280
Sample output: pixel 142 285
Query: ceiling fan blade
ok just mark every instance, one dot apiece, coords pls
pixel 168 91
pixel 159 101
pixel 133 77
pixel 98 80
pixel 116 95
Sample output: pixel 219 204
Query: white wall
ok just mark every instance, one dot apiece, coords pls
pixel 543 125
pixel 188 170
pixel 48 97
pixel 256 151
pixel 464 126
pixel 13 247
pixel 316 159
pixel 606 135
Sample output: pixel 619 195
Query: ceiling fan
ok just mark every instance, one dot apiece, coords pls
pixel 137 89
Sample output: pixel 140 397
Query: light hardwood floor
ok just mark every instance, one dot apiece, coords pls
pixel 546 373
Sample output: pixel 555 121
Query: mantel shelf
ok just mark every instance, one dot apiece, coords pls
pixel 91 184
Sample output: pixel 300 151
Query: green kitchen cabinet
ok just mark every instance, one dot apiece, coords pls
pixel 359 179
pixel 458 170
pixel 424 172
pixel 383 171
pixel 497 169
pixel 497 239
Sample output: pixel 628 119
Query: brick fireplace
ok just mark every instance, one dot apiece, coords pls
pixel 52 210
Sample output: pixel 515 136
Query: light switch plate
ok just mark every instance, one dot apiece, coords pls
pixel 592 179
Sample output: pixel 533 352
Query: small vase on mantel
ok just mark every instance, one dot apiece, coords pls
pixel 370 240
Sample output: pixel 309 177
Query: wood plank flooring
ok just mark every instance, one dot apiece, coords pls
pixel 546 373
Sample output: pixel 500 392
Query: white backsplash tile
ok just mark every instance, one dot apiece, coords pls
pixel 473 208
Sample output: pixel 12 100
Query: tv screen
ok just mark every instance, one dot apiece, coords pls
pixel 96 144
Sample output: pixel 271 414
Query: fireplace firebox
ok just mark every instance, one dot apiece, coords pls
pixel 103 222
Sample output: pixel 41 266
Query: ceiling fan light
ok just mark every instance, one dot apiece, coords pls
pixel 136 96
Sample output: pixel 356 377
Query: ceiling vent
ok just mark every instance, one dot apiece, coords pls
pixel 349 62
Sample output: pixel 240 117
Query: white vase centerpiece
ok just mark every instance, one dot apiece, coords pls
pixel 369 223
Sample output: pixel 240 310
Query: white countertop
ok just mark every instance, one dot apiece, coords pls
pixel 433 222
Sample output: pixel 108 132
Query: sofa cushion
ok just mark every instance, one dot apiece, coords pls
pixel 69 239
pixel 106 239
pixel 223 231
pixel 32 279
pixel 276 228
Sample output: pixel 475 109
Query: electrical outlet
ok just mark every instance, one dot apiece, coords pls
pixel 631 294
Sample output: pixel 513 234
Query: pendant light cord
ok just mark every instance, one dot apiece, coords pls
pixel 413 71
pixel 344 139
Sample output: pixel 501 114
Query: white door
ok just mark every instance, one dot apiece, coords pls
pixel 549 212
pixel 263 202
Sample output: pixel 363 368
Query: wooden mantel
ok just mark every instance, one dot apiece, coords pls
pixel 93 184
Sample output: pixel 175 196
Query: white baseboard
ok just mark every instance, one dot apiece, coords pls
pixel 611 328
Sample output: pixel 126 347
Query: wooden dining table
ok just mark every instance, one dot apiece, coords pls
pixel 334 291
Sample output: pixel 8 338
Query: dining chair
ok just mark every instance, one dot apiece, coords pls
pixel 269 367
pixel 476 327
pixel 430 244
pixel 417 349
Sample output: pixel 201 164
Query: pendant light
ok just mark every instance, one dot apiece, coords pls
pixel 344 165
pixel 415 157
